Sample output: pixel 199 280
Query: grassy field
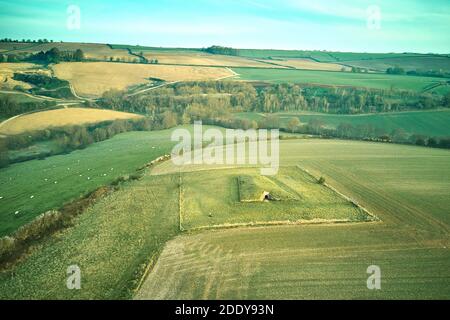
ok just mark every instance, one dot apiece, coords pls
pixel 296 197
pixel 36 186
pixel 111 243
pixel 94 78
pixel 308 64
pixel 406 187
pixel 60 117
pixel 377 81
pixel 429 123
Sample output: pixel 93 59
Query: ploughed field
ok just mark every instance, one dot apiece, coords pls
pixel 406 187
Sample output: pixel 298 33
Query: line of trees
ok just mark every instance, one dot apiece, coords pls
pixel 215 103
pixel 69 138
pixel 237 96
pixel 8 40
pixel 53 55
pixel 10 107
pixel 418 72
pixel 222 50
pixel 366 131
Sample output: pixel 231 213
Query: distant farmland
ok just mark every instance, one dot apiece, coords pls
pixel 424 63
pixel 91 50
pixel 430 123
pixel 308 64
pixel 202 59
pixel 321 56
pixel 94 78
pixel 377 81
pixel 60 117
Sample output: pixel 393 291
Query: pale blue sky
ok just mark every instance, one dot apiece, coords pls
pixel 341 25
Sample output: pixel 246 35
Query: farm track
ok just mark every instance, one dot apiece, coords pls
pixel 151 88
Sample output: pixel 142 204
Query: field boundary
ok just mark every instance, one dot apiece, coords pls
pixel 354 202
pixel 180 203
pixel 262 224
pixel 148 268
pixel 372 218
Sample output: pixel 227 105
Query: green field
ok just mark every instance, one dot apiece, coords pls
pixel 429 123
pixel 36 186
pixel 111 243
pixel 297 197
pixel 376 81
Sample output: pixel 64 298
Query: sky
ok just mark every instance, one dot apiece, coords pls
pixel 334 25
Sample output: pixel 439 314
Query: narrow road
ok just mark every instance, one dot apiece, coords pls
pixel 149 89
pixel 233 74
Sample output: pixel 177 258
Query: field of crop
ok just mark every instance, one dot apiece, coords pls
pixel 430 123
pixel 377 81
pixel 60 117
pixel 94 78
pixel 423 63
pixel 238 199
pixel 202 59
pixel 406 187
pixel 91 50
pixel 308 64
